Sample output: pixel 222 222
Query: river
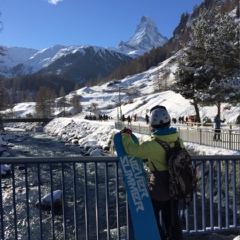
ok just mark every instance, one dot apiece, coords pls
pixel 39 144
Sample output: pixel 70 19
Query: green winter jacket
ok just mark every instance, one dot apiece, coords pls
pixel 151 150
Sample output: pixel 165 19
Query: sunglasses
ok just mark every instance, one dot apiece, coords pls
pixel 157 107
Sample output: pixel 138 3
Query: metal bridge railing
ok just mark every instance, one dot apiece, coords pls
pixel 93 203
pixel 25 119
pixel 230 138
pixel 92 198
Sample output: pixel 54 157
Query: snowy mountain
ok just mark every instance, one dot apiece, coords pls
pixel 15 56
pixel 84 62
pixel 21 61
pixel 61 59
pixel 145 38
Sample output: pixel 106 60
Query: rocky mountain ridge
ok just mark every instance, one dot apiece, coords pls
pixel 145 38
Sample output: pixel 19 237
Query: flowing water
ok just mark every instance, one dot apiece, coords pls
pixel 35 144
pixel 39 144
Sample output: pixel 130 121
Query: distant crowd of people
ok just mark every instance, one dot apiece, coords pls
pixel 174 120
pixel 99 117
pixel 180 120
pixel 104 117
pixel 129 119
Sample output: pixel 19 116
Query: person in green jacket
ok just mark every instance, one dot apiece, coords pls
pixel 156 157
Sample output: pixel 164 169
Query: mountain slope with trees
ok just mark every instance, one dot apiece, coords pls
pixel 181 34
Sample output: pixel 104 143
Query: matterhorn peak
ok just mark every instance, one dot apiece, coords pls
pixel 145 38
pixel 146 22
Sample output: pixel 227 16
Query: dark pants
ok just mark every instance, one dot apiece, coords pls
pixel 172 223
pixel 217 134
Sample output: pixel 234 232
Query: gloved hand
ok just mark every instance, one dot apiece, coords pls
pixel 126 130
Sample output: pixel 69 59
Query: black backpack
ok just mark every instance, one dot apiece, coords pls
pixel 182 177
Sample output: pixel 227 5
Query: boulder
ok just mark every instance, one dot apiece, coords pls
pixel 46 200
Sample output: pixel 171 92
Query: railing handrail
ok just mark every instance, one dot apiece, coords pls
pixel 199 135
pixel 27 119
pixel 82 159
pixel 209 126
pixel 20 160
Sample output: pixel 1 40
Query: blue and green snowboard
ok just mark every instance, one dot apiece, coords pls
pixel 143 218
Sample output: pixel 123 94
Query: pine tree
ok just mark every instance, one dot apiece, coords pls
pixel 193 75
pixel 223 57
pixel 209 66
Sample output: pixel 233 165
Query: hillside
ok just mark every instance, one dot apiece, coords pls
pixel 132 95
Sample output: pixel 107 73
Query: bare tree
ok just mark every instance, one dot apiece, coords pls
pixel 94 108
pixel 160 82
pixel 76 87
pixel 3 97
pixel 76 104
pixel 62 101
pixel 45 102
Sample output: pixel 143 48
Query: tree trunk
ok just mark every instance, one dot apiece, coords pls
pixel 196 111
pixel 219 109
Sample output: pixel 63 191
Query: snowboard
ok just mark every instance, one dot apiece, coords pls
pixel 142 214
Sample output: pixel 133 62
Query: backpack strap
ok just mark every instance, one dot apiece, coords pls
pixel 164 144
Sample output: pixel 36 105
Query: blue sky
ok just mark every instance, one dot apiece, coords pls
pixel 43 23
